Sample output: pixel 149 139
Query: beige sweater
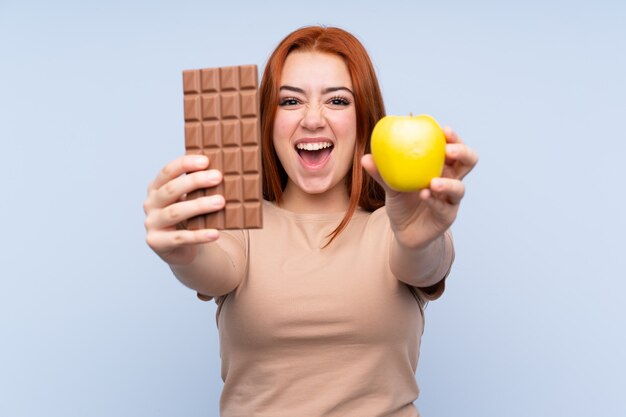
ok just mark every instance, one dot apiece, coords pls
pixel 320 332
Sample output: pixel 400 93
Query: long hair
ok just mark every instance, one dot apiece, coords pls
pixel 363 190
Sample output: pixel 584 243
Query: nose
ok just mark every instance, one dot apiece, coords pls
pixel 313 118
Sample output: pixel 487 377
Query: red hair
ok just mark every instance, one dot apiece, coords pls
pixel 363 190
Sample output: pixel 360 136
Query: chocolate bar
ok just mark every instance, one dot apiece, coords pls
pixel 222 122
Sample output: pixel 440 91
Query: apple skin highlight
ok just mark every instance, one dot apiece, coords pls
pixel 409 151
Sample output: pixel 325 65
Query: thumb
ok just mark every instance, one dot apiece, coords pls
pixel 367 161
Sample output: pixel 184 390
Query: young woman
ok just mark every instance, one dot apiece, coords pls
pixel 320 311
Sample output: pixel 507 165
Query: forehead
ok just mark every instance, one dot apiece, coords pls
pixel 315 69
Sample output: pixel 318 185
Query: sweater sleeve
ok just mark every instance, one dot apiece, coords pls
pixel 234 248
pixel 435 291
pixel 380 222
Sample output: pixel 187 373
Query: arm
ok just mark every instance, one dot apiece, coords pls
pixel 423 267
pixel 198 259
pixel 218 268
pixel 421 250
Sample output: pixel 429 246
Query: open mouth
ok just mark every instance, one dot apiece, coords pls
pixel 314 154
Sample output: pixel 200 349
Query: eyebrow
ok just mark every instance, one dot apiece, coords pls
pixel 325 91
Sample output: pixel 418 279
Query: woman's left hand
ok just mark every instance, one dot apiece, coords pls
pixel 418 218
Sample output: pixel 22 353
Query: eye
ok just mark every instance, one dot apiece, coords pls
pixel 288 101
pixel 339 101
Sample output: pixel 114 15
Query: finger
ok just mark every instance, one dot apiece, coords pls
pixel 461 159
pixel 177 167
pixel 451 136
pixel 447 189
pixel 367 161
pixel 184 210
pixel 173 190
pixel 164 241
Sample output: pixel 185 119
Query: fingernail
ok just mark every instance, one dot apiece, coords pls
pixel 217 200
pixel 212 175
pixel 200 161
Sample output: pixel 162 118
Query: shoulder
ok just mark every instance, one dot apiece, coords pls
pixel 273 218
pixel 272 212
pixel 378 219
pixel 370 229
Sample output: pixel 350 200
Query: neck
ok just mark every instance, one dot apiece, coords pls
pixel 335 200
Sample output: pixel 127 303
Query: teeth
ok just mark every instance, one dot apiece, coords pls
pixel 313 146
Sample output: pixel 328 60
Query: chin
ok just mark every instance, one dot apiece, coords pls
pixel 315 186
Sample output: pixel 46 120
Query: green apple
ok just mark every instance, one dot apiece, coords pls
pixel 409 151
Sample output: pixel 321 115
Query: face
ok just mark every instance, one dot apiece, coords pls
pixel 315 124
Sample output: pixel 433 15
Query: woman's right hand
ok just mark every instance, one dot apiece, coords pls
pixel 166 208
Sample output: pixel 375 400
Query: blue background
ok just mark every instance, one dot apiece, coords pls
pixel 92 323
